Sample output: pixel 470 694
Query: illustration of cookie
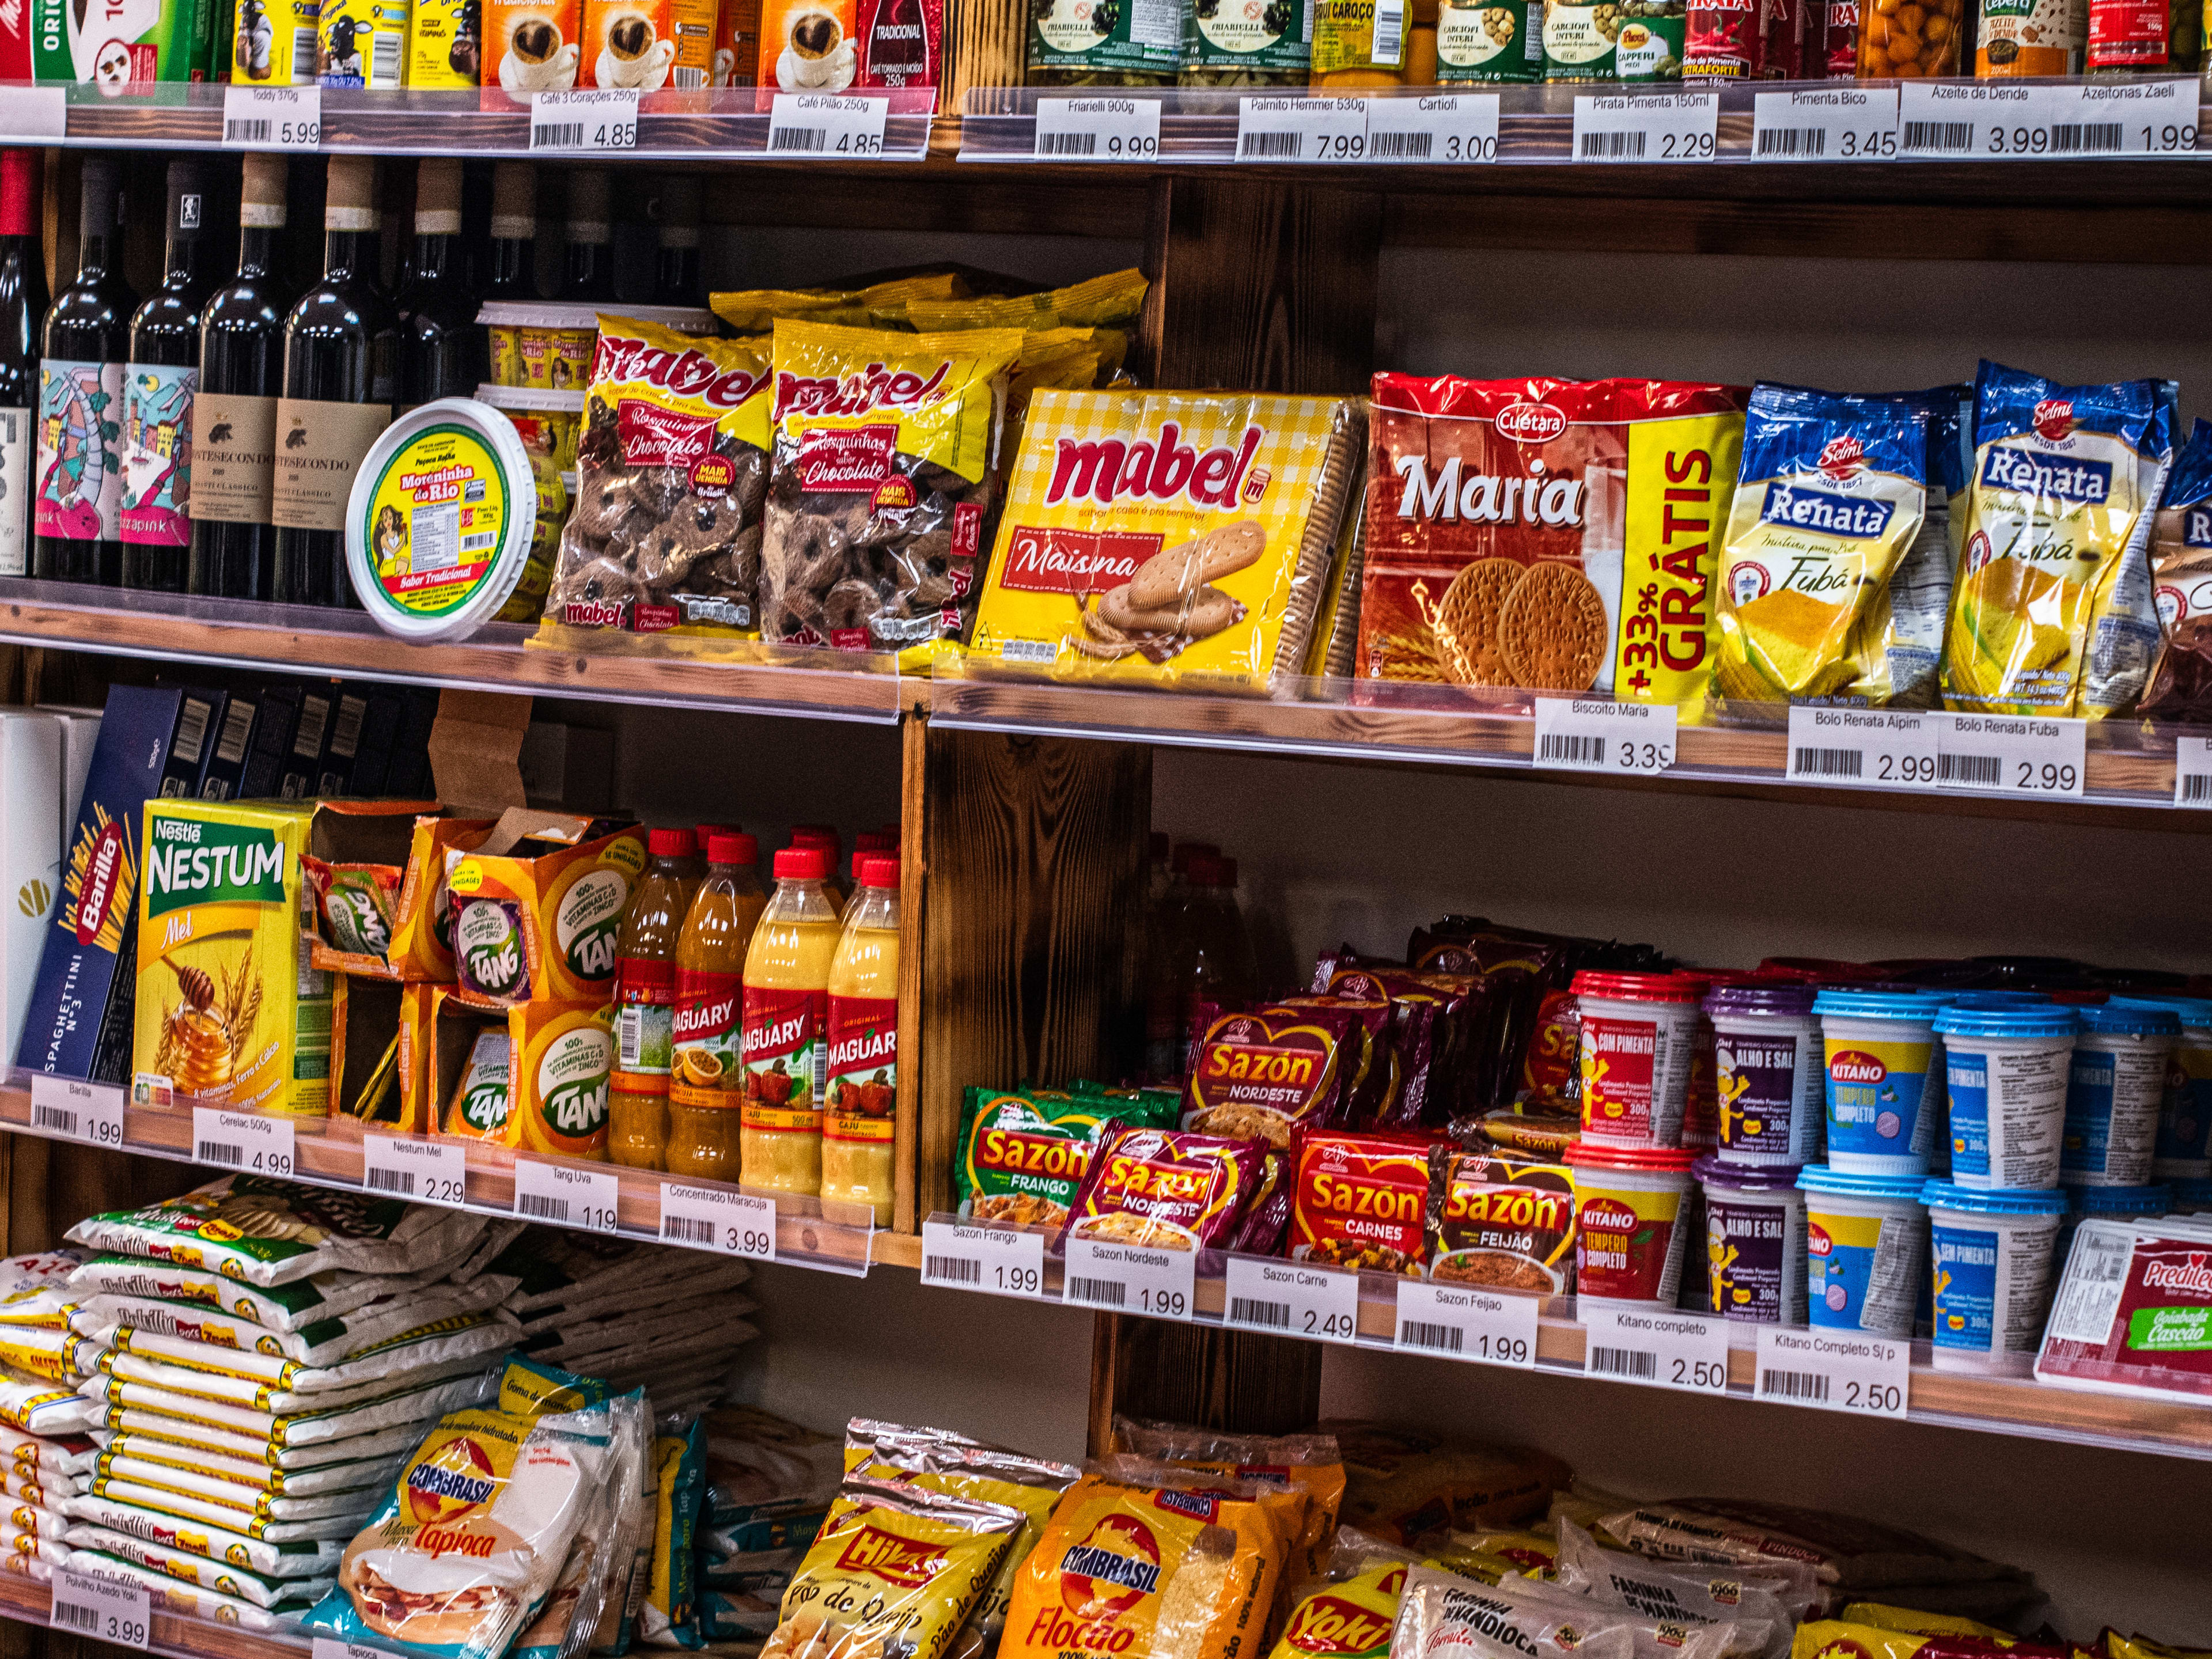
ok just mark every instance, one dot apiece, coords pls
pixel 1551 629
pixel 1467 623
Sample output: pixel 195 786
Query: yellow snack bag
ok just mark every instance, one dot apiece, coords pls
pixel 1116 297
pixel 1490 1554
pixel 1404 1482
pixel 1309 1463
pixel 1923 1624
pixel 1347 1610
pixel 756 311
pixel 1835 1639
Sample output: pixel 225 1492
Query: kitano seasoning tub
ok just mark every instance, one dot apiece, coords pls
pixel 1992 1253
pixel 1629 1207
pixel 2184 1150
pixel 1866 1238
pixel 1755 1242
pixel 1769 1070
pixel 2113 1091
pixel 2110 1204
pixel 2005 1071
pixel 1884 1083
pixel 1638 1034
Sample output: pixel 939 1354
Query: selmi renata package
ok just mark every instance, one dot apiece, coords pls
pixel 1175 539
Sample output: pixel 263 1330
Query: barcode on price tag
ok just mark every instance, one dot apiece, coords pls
pixel 1097 130
pixel 1657 1348
pixel 107 1609
pixel 998 1260
pixel 565 1195
pixel 1293 1299
pixel 1301 129
pixel 1824 124
pixel 828 123
pixel 2192 772
pixel 1667 126
pixel 421 1171
pixel 29 114
pixel 2013 755
pixel 2017 120
pixel 244 1141
pixel 1865 748
pixel 1447 128
pixel 1589 734
pixel 587 121
pixel 715 1219
pixel 90 1112
pixel 1460 1321
pixel 1132 1278
pixel 272 118
pixel 1833 1371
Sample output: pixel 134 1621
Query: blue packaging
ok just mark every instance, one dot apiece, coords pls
pixel 1883 1090
pixel 2110 1203
pixel 1991 1255
pixel 2113 1090
pixel 2004 1073
pixel 1866 1238
pixel 2182 1152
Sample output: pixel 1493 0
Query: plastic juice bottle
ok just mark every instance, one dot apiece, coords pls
pixel 787 1008
pixel 1166 1000
pixel 868 844
pixel 710 957
pixel 1214 963
pixel 824 839
pixel 859 1151
pixel 645 1002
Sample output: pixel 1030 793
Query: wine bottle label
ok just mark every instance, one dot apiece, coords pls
pixel 234 456
pixel 157 454
pixel 318 447
pixel 80 450
pixel 15 492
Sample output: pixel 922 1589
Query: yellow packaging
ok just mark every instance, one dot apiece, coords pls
pixel 1925 1624
pixel 1171 539
pixel 276 44
pixel 1309 1463
pixel 228 1009
pixel 544 927
pixel 350 843
pixel 423 925
pixel 363 43
pixel 1835 1639
pixel 1349 1620
pixel 1490 1555
pixel 445 44
pixel 1401 1482
pixel 560 1056
pixel 1100 303
pixel 1681 479
pixel 756 311
pixel 469 1068
pixel 1344 38
pixel 418 1106
pixel 365 1049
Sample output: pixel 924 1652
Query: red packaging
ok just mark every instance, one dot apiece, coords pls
pixel 1361 1200
pixel 1747 40
pixel 1500 1221
pixel 1167 1188
pixel 1841 47
pixel 2132 1308
pixel 1264 1074
pixel 1548 1074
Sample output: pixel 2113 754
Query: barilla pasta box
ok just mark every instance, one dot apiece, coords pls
pixel 2133 1311
pixel 116 43
pixel 422 921
pixel 229 1009
pixel 538 907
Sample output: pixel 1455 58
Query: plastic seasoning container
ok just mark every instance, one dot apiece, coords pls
pixel 1866 1242
pixel 548 344
pixel 2113 1090
pixel 2110 1204
pixel 1755 1242
pixel 2005 1071
pixel 2184 1148
pixel 1883 1087
pixel 1637 1033
pixel 1629 1204
pixel 1701 1111
pixel 1992 1255
pixel 1769 1071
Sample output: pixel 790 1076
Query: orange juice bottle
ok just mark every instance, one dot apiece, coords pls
pixel 787 1007
pixel 858 1135
pixel 645 1002
pixel 710 959
pixel 824 839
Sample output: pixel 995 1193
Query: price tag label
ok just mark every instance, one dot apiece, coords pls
pixel 1824 124
pixel 1097 130
pixel 272 118
pixel 997 1260
pixel 244 1141
pixel 2192 785
pixel 714 1219
pixel 1293 1299
pixel 1301 129
pixel 106 1609
pixel 33 115
pixel 1459 1322
pixel 324 1647
pixel 1864 748
pixel 2012 755
pixel 1446 127
pixel 1657 1348
pixel 1589 734
pixel 590 123
pixel 2012 119
pixel 425 1171
pixel 1635 126
pixel 566 1196
pixel 73 1111
pixel 1130 1279
pixel 829 124
pixel 1833 1371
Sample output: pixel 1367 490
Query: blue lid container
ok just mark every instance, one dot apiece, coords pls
pixel 1882 1005
pixel 1995 1201
pixel 2127 1016
pixel 2045 1020
pixel 1820 1178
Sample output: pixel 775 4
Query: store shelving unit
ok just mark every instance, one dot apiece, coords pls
pixel 28 1602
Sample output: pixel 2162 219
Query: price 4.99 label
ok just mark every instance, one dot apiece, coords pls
pixel 244 1141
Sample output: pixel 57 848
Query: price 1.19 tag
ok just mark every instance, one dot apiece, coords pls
pixel 1657 1348
pixel 1824 124
pixel 244 1141
pixel 107 1609
pixel 73 1111
pixel 423 1171
pixel 2192 780
pixel 997 1260
pixel 1132 1278
pixel 1293 1299
pixel 1301 129
pixel 827 124
pixel 1445 128
pixel 588 123
pixel 2019 755
pixel 1461 1321
pixel 1097 130
pixel 1865 748
pixel 1588 734
pixel 1667 126
pixel 272 118
pixel 566 1196
pixel 1833 1370
pixel 31 115
pixel 715 1219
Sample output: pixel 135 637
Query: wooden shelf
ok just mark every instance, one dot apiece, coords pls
pixel 28 1602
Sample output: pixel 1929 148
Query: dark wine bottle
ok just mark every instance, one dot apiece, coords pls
pixel 79 502
pixel 159 384
pixel 22 309
pixel 512 262
pixel 235 416
pixel 678 282
pixel 590 273
pixel 437 317
pixel 340 347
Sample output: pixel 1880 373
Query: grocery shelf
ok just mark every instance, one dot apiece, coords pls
pixel 28 1602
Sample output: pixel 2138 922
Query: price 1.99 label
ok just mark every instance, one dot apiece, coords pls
pixel 75 1110
pixel 244 1141
pixel 1293 1299
pixel 1465 1322
pixel 1132 1278
pixel 714 1219
pixel 998 1261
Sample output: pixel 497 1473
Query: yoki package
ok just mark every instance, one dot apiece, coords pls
pixel 1897 655
pixel 1025 1154
pixel 1170 538
pixel 1346 1611
pixel 664 532
pixel 1499 1220
pixel 1557 535
pixel 1358 1201
pixel 2052 612
pixel 2180 687
pixel 1442 1612
pixel 1166 1188
pixel 1269 1072
pixel 884 453
pixel 1833 492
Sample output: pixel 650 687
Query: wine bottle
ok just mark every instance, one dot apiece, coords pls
pixel 678 281
pixel 79 501
pixel 437 327
pixel 234 416
pixel 591 261
pixel 512 265
pixel 22 308
pixel 158 387
pixel 340 347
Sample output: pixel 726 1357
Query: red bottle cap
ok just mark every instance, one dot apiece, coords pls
pixel 879 871
pixel 801 864
pixel 19 192
pixel 732 850
pixel 670 843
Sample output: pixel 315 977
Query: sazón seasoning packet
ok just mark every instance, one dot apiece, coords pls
pixel 1165 1188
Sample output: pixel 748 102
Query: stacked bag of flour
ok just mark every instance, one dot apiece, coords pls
pixel 40 1360
pixel 260 1358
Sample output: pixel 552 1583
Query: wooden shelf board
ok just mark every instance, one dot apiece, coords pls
pixel 30 1602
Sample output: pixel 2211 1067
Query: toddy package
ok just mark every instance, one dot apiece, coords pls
pixel 538 907
pixel 1167 537
pixel 1550 535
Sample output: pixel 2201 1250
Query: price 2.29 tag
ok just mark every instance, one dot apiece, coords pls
pixel 826 124
pixel 107 1609
pixel 1293 1299
pixel 1656 1347
pixel 423 1171
pixel 90 1112
pixel 715 1219
pixel 1460 1321
pixel 1097 130
pixel 1667 126
pixel 566 1196
pixel 244 1141
pixel 272 118
pixel 996 1260
pixel 1833 1370
pixel 1588 734
pixel 1130 1278
pixel 2015 754
pixel 589 123
pixel 1865 748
